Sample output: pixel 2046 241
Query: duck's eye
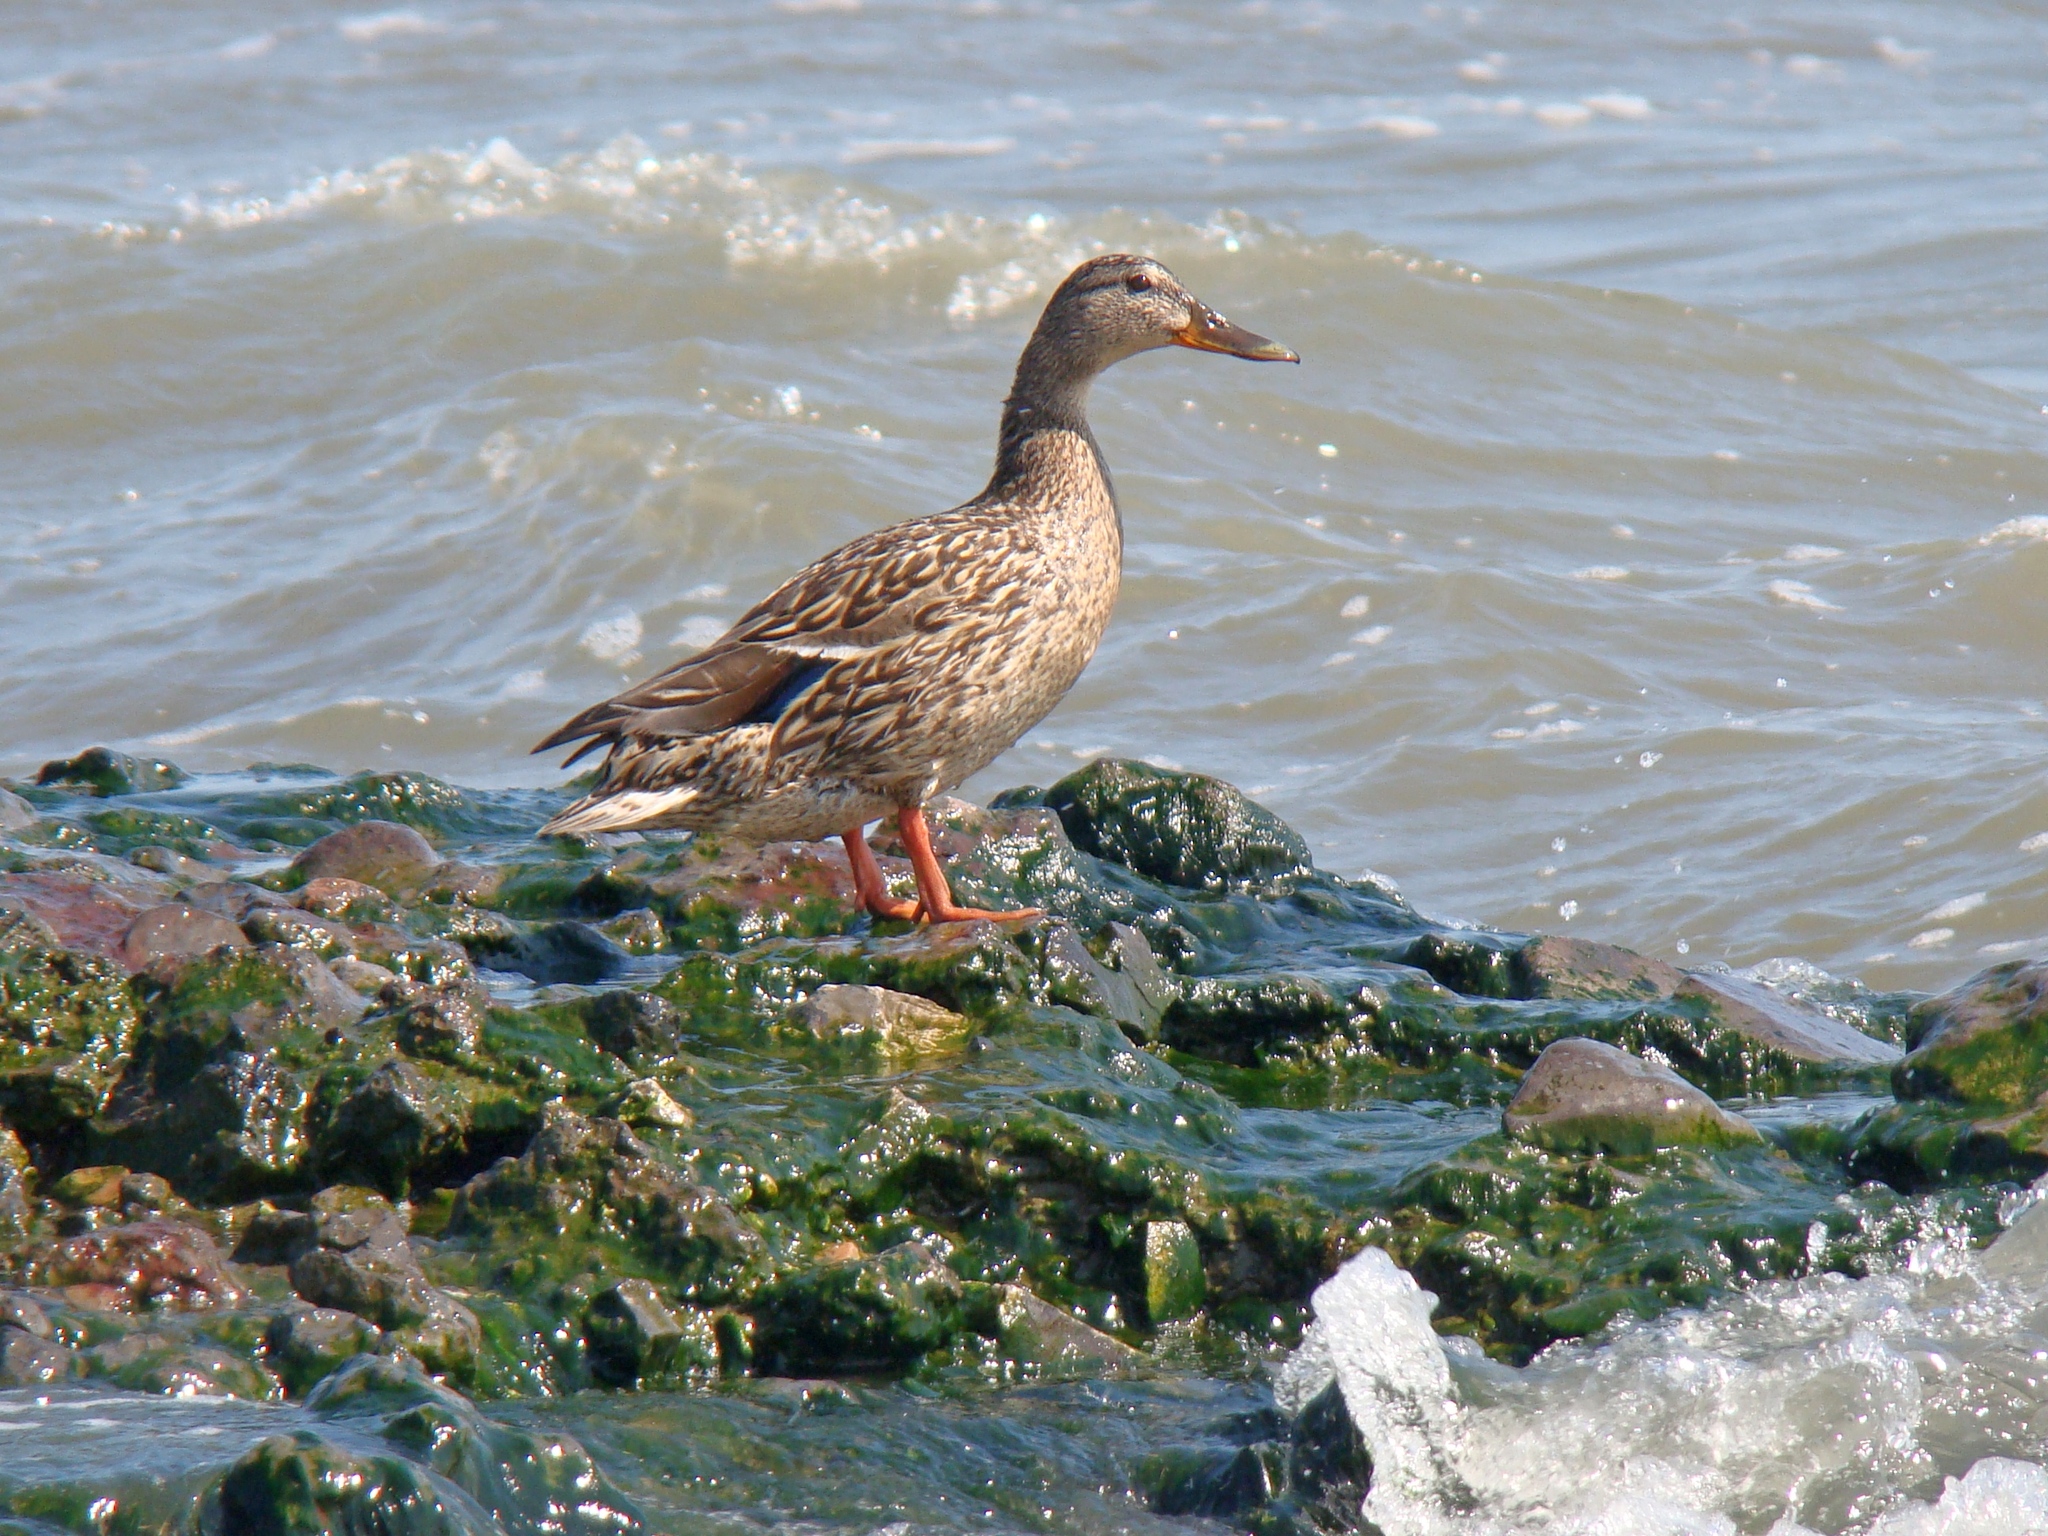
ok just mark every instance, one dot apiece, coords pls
pixel 1138 282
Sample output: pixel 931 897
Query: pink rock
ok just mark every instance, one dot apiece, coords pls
pixel 175 932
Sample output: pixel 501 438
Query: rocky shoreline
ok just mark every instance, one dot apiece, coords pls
pixel 346 1091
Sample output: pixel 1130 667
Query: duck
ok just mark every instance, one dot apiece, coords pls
pixel 892 669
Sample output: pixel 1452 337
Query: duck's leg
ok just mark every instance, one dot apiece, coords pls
pixel 868 885
pixel 934 897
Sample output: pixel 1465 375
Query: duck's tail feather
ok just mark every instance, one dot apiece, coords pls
pixel 619 811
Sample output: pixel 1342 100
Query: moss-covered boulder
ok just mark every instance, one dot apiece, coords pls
pixel 1185 829
pixel 867 1314
pixel 1582 1096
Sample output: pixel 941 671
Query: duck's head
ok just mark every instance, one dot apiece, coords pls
pixel 1114 307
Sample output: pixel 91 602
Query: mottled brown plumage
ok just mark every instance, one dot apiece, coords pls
pixel 898 665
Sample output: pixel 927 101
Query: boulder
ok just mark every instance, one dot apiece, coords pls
pixel 646 1103
pixel 1551 965
pixel 435 1022
pixel 144 1263
pixel 297 1485
pixel 895 1022
pixel 387 855
pixel 364 1264
pixel 395 1123
pixel 1984 1043
pixel 1582 1096
pixel 25 1313
pixel 175 932
pixel 1183 829
pixel 1772 1020
pixel 106 772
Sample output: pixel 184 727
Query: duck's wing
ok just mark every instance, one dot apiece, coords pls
pixel 862 596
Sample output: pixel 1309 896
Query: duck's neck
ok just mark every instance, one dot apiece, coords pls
pixel 1045 426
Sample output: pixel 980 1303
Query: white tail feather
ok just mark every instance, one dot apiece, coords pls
pixel 619 812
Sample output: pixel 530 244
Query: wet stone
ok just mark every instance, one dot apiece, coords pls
pixel 630 1023
pixel 107 773
pixel 436 1023
pixel 638 931
pixel 307 1344
pixel 144 1263
pixel 1583 1096
pixel 396 1122
pixel 299 1485
pixel 1768 1019
pixel 15 812
pixel 880 1313
pixel 1183 829
pixel 90 1186
pixel 630 1333
pixel 1032 1329
pixel 646 1103
pixel 272 1236
pixel 1174 1282
pixel 896 1022
pixel 175 932
pixel 361 976
pixel 25 1313
pixel 1552 966
pixel 337 897
pixel 30 1360
pixel 385 854
pixel 563 953
pixel 1984 1043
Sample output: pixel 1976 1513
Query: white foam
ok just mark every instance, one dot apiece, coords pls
pixel 613 639
pixel 2038 843
pixel 1930 938
pixel 1799 595
pixel 1563 114
pixel 1619 104
pixel 873 151
pixel 1399 126
pixel 1957 907
pixel 1355 607
pixel 2018 528
pixel 375 28
pixel 1800 554
pixel 1601 573
pixel 1772 1405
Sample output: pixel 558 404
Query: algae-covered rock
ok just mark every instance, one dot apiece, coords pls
pixel 395 1123
pixel 174 932
pixel 1185 829
pixel 633 1336
pixel 646 1103
pixel 1582 1096
pixel 896 1023
pixel 1554 966
pixel 1035 1331
pixel 870 1314
pixel 105 772
pixel 301 1485
pixel 306 1344
pixel 629 1023
pixel 1985 1043
pixel 1777 1023
pixel 1174 1282
pixel 1244 1019
pixel 144 1263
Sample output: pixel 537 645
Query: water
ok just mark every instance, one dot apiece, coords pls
pixel 1653 541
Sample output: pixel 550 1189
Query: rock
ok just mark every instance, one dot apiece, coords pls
pixel 1984 1043
pixel 29 1360
pixel 1183 829
pixel 1474 965
pixel 1770 1019
pixel 1076 979
pixel 106 773
pixel 168 861
pixel 297 1485
pixel 896 1022
pixel 1240 1019
pixel 630 1023
pixel 147 1192
pixel 271 1236
pixel 1582 1096
pixel 309 931
pixel 555 954
pixel 334 896
pixel 1553 966
pixel 1036 1331
pixel 306 1344
pixel 388 855
pixel 90 1187
pixel 638 931
pixel 175 932
pixel 645 1102
pixel 365 1265
pixel 440 1023
pixel 174 1366
pixel 881 1313
pixel 1174 1283
pixel 394 1124
pixel 15 812
pixel 144 1263
pixel 630 1335
pixel 23 1312
pixel 75 909
pixel 360 976
pixel 1329 1465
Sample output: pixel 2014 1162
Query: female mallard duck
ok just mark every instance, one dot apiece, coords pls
pixel 896 666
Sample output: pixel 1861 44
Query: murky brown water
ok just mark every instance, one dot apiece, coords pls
pixel 1654 540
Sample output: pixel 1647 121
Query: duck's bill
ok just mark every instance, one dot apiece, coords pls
pixel 1208 331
